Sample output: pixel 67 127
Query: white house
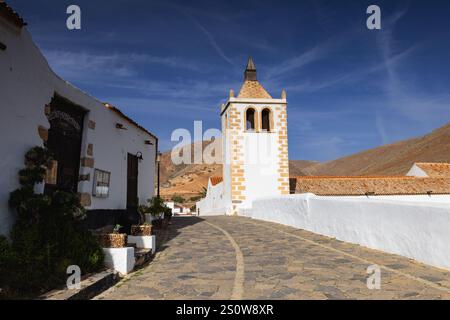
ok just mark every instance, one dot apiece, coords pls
pixel 101 153
pixel 177 209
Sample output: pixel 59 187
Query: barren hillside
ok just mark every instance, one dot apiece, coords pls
pixel 188 181
pixel 391 159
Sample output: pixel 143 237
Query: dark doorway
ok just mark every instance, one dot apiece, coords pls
pixel 132 182
pixel 64 140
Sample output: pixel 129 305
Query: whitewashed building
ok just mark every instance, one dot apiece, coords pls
pixel 255 149
pixel 101 153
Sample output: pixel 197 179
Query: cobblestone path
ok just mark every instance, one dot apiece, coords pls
pixel 239 258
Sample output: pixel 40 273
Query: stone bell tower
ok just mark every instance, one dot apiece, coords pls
pixel 255 144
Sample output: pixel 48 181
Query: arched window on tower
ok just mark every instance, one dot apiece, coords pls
pixel 250 119
pixel 266 120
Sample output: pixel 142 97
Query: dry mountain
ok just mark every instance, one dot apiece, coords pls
pixel 188 181
pixel 391 159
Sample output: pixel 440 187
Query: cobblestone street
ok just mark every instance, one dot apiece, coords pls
pixel 239 258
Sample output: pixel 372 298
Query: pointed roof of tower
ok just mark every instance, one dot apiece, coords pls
pixel 251 87
pixel 250 65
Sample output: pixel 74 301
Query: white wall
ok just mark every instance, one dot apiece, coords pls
pixel 111 148
pixel 428 199
pixel 261 166
pixel 27 84
pixel 226 168
pixel 416 230
pixel 415 171
pixel 214 203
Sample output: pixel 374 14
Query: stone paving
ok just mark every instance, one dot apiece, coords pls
pixel 239 258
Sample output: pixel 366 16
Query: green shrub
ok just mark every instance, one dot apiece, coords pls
pixel 155 207
pixel 196 198
pixel 178 199
pixel 47 236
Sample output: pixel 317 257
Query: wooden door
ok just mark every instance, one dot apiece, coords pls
pixel 132 182
pixel 64 141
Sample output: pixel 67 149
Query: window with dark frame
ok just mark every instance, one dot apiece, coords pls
pixel 101 183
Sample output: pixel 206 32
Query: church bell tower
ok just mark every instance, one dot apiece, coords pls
pixel 255 144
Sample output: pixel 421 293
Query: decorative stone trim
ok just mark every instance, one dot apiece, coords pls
pixel 85 199
pixel 90 150
pixel 51 174
pixel 43 133
pixel 141 230
pixel 87 162
pixel 91 124
pixel 112 240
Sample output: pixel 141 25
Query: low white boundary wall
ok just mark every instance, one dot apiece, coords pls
pixel 213 204
pixel 415 230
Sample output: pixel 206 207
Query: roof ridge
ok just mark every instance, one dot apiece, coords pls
pixel 124 116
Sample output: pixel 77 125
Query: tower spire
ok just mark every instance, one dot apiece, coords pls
pixel 250 71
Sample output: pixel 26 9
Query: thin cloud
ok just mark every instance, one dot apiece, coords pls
pixel 350 77
pixel 312 55
pixel 84 65
pixel 404 97
pixel 211 40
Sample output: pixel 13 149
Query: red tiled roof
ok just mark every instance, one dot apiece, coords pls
pixel 435 170
pixel 355 186
pixel 10 15
pixel 215 180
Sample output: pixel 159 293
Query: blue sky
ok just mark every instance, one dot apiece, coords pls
pixel 168 63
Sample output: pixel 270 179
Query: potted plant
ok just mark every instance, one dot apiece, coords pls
pixel 114 239
pixel 145 229
pixel 157 209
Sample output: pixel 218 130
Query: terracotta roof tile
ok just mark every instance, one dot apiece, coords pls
pixel 354 186
pixel 435 170
pixel 253 89
pixel 216 180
